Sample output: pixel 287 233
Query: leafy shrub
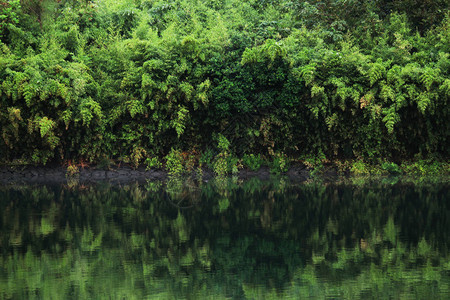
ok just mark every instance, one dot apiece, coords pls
pixel 222 143
pixel 174 162
pixel 190 160
pixel 391 167
pixel 359 167
pixel 424 167
pixel 233 164
pixel 153 163
pixel 279 163
pixel 207 158
pixel 220 166
pixel 225 163
pixel 137 156
pixel 253 162
pixel 315 163
pixel 72 170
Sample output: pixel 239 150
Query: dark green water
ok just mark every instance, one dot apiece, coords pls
pixel 225 239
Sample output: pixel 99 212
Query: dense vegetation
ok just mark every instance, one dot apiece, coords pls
pixel 255 240
pixel 213 81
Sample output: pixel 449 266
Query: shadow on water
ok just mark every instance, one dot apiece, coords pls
pixel 225 238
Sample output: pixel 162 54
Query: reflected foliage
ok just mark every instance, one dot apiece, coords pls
pixel 225 238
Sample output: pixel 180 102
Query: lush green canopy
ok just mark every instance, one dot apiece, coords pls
pixel 135 78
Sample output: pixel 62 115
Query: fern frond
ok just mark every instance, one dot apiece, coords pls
pixel 445 87
pixel 429 76
pixel 45 126
pixel 387 92
pixel 394 76
pixel 355 93
pixel 179 123
pixel 331 121
pixel 317 91
pixel 423 101
pixel 390 119
pixel 412 91
pixel 187 90
pixel 307 73
pixel 400 100
pixel 411 70
pixel 377 71
pixel 90 109
pixel 29 93
pixel 66 117
pixel 269 51
pixel 135 107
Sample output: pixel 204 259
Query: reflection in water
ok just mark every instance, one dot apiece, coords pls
pixel 221 239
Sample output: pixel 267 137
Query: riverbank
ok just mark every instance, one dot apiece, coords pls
pixel 123 174
pixel 26 174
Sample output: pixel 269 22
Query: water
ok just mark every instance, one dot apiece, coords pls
pixel 225 239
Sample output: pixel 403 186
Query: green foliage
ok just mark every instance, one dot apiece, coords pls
pixel 252 161
pixel 225 164
pixel 220 165
pixel 153 163
pixel 279 164
pixel 9 14
pixel 174 162
pixel 207 158
pixel 359 167
pixel 222 143
pixel 425 167
pixel 179 122
pixel 72 170
pixel 269 51
pixel 137 156
pixel 86 80
pixel 392 168
pixel 316 164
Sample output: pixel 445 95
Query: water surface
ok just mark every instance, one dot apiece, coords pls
pixel 225 239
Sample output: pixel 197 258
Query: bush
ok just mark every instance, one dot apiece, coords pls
pixel 253 162
pixel 72 170
pixel 153 163
pixel 207 158
pixel 424 167
pixel 174 162
pixel 392 168
pixel 279 163
pixel 225 163
pixel 359 167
